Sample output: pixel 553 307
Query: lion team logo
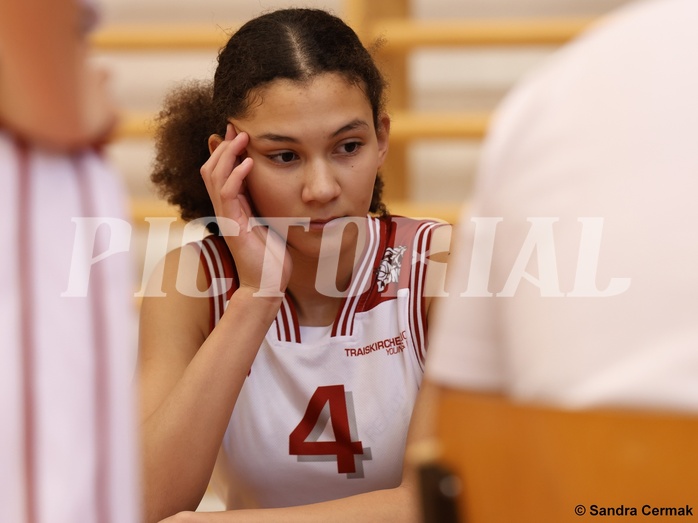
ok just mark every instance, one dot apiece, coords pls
pixel 389 269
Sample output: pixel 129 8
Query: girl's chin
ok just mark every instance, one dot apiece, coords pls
pixel 328 241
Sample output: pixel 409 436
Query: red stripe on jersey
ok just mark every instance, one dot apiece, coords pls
pixel 102 381
pixel 28 344
pixel 221 277
pixel 285 319
pixel 418 318
pixel 361 283
pixel 278 330
pixel 286 322
pixel 214 272
pixel 209 282
pixel 294 321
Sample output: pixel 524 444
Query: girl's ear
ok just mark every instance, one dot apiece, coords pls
pixel 213 142
pixel 383 134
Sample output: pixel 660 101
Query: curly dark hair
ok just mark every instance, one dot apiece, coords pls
pixel 295 44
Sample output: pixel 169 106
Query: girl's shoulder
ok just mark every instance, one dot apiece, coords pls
pixel 397 220
pixel 417 232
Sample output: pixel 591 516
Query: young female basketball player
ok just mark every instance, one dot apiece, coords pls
pixel 296 373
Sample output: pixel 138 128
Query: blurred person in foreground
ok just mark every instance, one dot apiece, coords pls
pixel 573 282
pixel 67 441
pixel 588 295
pixel 573 288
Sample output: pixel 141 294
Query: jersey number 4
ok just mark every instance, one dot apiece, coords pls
pixel 303 439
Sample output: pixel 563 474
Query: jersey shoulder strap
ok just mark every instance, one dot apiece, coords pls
pixel 221 276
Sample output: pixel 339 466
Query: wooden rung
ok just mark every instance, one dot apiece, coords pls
pixel 144 208
pixel 135 125
pixel 401 35
pixel 161 37
pixel 404 126
pixel 409 125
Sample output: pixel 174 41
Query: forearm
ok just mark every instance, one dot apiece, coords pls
pixel 398 505
pixel 181 437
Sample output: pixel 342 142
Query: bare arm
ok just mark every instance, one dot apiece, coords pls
pixel 47 92
pixel 189 383
pixel 190 380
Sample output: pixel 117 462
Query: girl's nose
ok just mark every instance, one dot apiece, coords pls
pixel 320 183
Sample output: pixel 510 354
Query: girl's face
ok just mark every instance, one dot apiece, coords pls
pixel 316 154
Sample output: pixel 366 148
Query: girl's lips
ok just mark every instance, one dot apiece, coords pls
pixel 321 224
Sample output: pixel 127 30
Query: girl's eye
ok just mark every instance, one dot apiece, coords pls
pixel 284 157
pixel 350 147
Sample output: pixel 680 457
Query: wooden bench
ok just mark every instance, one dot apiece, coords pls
pixel 529 464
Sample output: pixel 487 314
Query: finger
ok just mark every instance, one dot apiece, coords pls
pixel 216 153
pixel 224 157
pixel 243 154
pixel 230 131
pixel 230 159
pixel 237 141
pixel 232 188
pixel 245 204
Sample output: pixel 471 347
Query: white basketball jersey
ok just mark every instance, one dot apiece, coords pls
pixel 327 418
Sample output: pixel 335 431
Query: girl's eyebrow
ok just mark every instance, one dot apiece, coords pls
pixel 272 137
pixel 351 126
